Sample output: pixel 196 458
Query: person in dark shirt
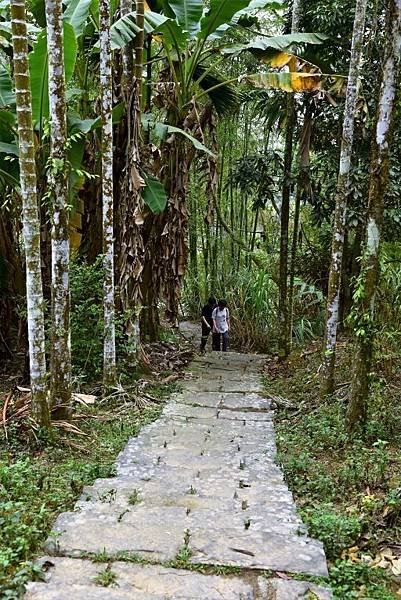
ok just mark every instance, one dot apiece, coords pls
pixel 207 321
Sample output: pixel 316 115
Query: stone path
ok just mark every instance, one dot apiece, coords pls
pixel 197 487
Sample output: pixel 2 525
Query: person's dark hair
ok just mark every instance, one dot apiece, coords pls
pixel 222 303
pixel 212 301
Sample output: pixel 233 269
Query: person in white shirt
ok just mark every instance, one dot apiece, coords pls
pixel 221 326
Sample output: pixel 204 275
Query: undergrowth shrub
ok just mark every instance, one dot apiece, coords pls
pixel 86 283
pixel 356 580
pixel 336 530
pixel 87 319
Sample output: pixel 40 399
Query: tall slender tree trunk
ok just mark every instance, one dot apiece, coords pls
pixel 31 222
pixel 283 312
pixel 60 377
pixel 106 92
pixel 302 185
pixel 379 172
pixel 139 47
pixel 339 225
pixel 126 54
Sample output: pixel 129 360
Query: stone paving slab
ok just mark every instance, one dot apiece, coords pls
pixel 73 578
pixel 203 478
pixel 288 589
pixel 68 578
pixel 258 550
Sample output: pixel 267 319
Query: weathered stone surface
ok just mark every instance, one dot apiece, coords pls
pixel 282 589
pixel 73 578
pixel 203 476
pixel 258 550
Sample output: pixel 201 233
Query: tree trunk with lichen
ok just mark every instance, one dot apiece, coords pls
pixel 60 377
pixel 106 97
pixel 379 172
pixel 283 307
pixel 339 225
pixel 31 222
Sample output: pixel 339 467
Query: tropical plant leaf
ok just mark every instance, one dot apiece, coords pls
pixel 264 46
pixel 188 14
pixel 9 149
pixel 37 8
pixel 5 28
pixel 7 95
pixel 258 4
pixel 153 21
pixel 163 129
pixel 75 158
pixel 254 6
pixel 224 98
pixel 84 125
pixel 288 82
pixel 220 13
pixel 76 14
pixel 38 63
pixel 154 194
pixel 125 29
pixel 196 143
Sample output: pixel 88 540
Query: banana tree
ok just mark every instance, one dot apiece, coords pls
pixel 191 37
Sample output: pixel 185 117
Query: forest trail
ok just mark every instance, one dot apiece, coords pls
pixel 197 487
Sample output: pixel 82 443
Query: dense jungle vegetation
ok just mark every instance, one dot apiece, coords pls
pixel 155 152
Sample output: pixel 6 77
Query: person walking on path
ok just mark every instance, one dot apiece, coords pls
pixel 221 325
pixel 207 321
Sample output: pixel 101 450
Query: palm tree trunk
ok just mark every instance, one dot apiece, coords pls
pixel 334 287
pixel 283 312
pixel 379 172
pixel 106 92
pixel 31 222
pixel 60 378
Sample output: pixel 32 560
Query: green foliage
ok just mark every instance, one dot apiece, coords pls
pixel 87 319
pixel 188 14
pixel 336 531
pixel 86 283
pixel 349 580
pixel 38 63
pixel 7 95
pixel 124 30
pixel 348 488
pixel 106 578
pixel 77 13
pixel 134 497
pixel 35 489
pixel 154 194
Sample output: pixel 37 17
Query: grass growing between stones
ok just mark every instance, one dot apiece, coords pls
pixel 105 578
pixel 347 489
pixel 40 479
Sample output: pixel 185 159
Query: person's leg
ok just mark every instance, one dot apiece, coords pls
pixel 205 335
pixel 216 341
pixel 225 341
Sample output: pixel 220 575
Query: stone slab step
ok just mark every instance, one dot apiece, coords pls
pixel 74 579
pixel 288 589
pixel 67 578
pixel 258 550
